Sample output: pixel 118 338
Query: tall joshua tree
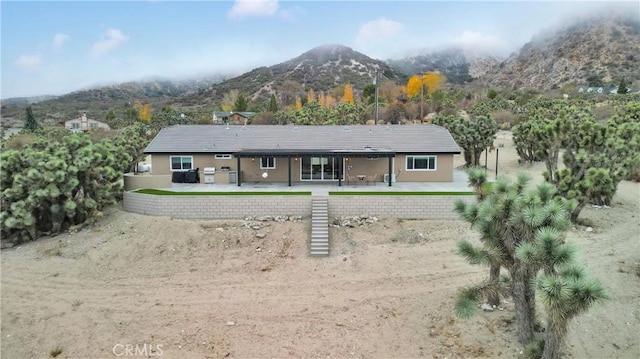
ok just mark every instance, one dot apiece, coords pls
pixel 523 231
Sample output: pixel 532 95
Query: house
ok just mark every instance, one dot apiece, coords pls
pixel 83 124
pixel 231 117
pixel 303 154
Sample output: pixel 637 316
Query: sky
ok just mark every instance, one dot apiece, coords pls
pixel 56 47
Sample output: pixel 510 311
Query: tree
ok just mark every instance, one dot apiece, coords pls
pixel 273 104
pixel 523 232
pixel 542 135
pixel 229 100
pixel 30 122
pixel 474 135
pixel 622 87
pixel 348 94
pixel 298 103
pixel 61 179
pixel 368 93
pixel 311 95
pixel 241 103
pixel 597 157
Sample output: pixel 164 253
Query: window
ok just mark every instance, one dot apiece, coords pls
pixel 75 125
pixel 181 163
pixel 222 157
pixel 93 125
pixel 267 163
pixel 421 163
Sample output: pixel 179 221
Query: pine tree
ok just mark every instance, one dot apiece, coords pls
pixel 622 88
pixel 30 123
pixel 273 104
pixel 241 103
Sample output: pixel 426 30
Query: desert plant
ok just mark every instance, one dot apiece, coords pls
pixel 524 232
pixel 474 135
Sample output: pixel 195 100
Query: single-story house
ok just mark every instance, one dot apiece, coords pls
pixel 83 124
pixel 231 117
pixel 297 154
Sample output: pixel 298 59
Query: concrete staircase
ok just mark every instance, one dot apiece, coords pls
pixel 319 227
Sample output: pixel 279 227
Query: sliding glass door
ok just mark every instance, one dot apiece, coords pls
pixel 319 169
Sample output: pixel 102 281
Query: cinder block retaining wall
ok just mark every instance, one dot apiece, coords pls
pixel 419 206
pixel 216 207
pixel 235 207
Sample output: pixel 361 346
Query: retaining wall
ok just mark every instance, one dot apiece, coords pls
pixel 236 207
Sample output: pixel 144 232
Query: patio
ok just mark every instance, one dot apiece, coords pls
pixel 459 184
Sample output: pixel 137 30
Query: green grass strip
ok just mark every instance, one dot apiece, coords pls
pixel 159 192
pixel 366 193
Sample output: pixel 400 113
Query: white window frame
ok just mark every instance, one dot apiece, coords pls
pixel 222 157
pixel 181 162
pixel 267 167
pixel 422 157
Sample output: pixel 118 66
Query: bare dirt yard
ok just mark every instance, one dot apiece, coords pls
pixel 131 285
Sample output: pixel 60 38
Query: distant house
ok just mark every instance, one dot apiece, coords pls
pixel 84 124
pixel 232 118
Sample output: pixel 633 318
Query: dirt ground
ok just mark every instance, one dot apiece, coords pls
pixel 131 285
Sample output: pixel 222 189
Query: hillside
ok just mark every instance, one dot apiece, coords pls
pixel 320 68
pixel 454 63
pixel 602 49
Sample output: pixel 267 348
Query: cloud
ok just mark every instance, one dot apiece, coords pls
pixel 253 8
pixel 29 62
pixel 377 31
pixel 478 44
pixel 59 40
pixel 110 41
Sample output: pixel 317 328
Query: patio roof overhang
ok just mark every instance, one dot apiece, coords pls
pixel 314 153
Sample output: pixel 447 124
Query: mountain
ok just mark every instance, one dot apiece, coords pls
pixel 97 101
pixel 601 49
pixel 321 68
pixel 457 65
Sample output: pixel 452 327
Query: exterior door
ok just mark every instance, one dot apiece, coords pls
pixel 319 169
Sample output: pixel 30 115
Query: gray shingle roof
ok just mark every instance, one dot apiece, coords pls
pixel 229 139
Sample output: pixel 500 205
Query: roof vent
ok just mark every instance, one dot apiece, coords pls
pixel 346 128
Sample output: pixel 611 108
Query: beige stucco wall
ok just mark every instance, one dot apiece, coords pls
pixel 354 166
pixel 362 166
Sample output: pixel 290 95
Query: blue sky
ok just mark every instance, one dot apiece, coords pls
pixel 53 47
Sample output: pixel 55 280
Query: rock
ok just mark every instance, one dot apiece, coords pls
pixel 256 227
pixel 486 307
pixel 219 229
pixel 589 229
pixel 231 323
pixel 260 235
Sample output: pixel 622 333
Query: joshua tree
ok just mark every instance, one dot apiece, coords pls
pixel 523 232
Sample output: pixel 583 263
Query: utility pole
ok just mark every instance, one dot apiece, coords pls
pixel 421 96
pixel 375 82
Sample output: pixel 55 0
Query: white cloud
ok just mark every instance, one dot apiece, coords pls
pixel 29 62
pixel 476 43
pixel 110 41
pixel 378 31
pixel 253 8
pixel 59 40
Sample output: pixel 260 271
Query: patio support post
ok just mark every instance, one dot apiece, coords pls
pixel 239 177
pixel 339 171
pixel 289 169
pixel 390 169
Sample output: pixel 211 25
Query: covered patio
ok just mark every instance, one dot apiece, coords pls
pixel 459 184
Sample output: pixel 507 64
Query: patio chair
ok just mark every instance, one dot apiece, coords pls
pixel 351 179
pixel 372 179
